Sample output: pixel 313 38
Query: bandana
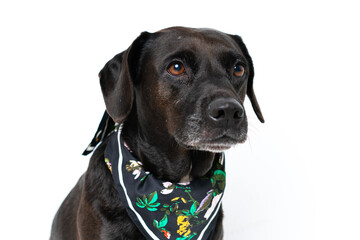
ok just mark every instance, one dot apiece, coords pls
pixel 106 126
pixel 165 210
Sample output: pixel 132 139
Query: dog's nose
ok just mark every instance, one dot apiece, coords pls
pixel 226 111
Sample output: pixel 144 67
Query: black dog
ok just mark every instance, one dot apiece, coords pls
pixel 179 95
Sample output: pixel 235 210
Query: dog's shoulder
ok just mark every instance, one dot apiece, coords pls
pixel 100 200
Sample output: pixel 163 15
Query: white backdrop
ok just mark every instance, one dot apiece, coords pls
pixel 297 177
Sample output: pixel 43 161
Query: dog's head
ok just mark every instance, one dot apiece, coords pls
pixel 188 84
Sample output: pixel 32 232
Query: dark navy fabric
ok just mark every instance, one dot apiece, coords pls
pixel 164 210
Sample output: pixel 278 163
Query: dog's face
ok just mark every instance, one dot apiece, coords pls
pixel 186 83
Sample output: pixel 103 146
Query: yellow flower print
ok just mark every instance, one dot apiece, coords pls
pixel 108 163
pixel 184 225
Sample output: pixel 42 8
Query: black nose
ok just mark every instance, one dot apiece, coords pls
pixel 226 111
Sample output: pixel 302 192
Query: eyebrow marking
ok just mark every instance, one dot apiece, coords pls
pixel 229 58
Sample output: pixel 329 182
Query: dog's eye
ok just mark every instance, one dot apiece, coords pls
pixel 176 69
pixel 239 70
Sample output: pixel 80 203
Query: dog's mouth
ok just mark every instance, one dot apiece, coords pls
pixel 216 144
pixel 198 133
pixel 220 144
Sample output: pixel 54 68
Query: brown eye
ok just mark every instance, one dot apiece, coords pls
pixel 176 69
pixel 238 70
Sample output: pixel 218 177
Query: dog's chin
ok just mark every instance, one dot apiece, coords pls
pixel 215 145
pixel 215 148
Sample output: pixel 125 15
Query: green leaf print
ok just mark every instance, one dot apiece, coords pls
pixel 153 197
pixel 219 172
pixel 148 202
pixel 193 208
pixel 154 204
pixel 151 209
pixel 140 203
pixel 212 181
pixel 222 185
pixel 219 177
pixel 163 221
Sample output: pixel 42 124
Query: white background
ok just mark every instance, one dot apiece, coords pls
pixel 296 178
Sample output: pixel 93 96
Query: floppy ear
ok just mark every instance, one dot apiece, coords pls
pixel 250 89
pixel 116 80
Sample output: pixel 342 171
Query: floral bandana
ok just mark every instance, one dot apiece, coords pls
pixel 165 210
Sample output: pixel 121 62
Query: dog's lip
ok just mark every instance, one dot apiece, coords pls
pixel 214 146
pixel 214 142
pixel 220 143
pixel 223 140
pixel 223 137
pixel 217 144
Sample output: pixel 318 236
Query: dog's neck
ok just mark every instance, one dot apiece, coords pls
pixel 164 157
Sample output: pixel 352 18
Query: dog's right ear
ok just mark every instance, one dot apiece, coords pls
pixel 116 80
pixel 250 89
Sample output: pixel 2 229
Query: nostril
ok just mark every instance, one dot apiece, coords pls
pixel 238 115
pixel 217 113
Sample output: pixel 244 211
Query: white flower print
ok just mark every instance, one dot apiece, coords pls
pixel 169 187
pixel 135 167
pixel 214 202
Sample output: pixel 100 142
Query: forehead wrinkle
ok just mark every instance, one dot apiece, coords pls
pixel 183 54
pixel 231 57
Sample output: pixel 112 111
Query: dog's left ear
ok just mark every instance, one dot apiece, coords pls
pixel 117 78
pixel 250 89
